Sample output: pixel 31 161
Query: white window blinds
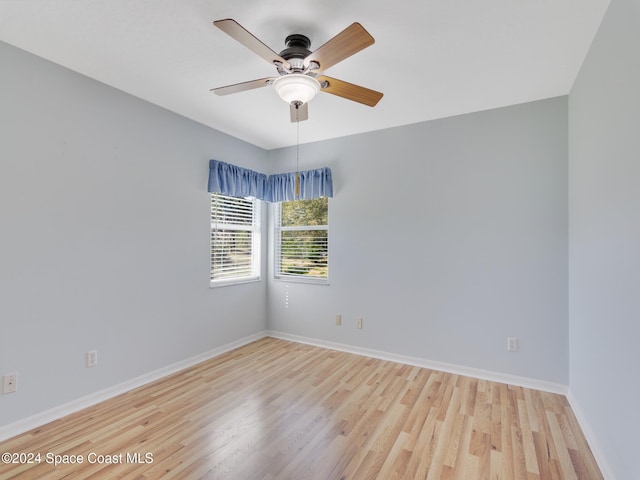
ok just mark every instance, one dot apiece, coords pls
pixel 235 239
pixel 302 240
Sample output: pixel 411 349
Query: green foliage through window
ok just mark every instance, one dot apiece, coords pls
pixel 302 239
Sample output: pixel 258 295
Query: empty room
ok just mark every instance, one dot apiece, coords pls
pixel 310 240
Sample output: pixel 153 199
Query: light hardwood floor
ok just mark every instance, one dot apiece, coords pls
pixel 278 410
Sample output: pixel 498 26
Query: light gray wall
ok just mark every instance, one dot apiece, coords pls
pixel 604 200
pixel 446 237
pixel 105 237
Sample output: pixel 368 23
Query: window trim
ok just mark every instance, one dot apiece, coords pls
pixel 256 244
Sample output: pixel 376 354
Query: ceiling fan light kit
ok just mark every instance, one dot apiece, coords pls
pixel 296 88
pixel 298 67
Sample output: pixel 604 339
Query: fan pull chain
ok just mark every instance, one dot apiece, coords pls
pixel 298 155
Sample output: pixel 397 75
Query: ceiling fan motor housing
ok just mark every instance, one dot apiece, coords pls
pixel 297 47
pixel 295 53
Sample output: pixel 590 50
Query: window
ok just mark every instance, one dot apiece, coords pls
pixel 235 239
pixel 302 240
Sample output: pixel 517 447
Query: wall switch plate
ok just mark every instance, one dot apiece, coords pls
pixel 358 322
pixel 10 383
pixel 338 320
pixel 512 344
pixel 92 358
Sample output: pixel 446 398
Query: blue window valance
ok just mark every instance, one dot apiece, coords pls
pixel 312 184
pixel 236 181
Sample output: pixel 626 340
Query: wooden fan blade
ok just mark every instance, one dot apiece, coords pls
pixel 299 113
pixel 246 38
pixel 349 91
pixel 241 87
pixel 351 40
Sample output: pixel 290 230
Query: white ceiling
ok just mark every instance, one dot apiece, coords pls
pixel 432 58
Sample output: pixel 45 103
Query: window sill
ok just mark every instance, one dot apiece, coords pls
pixel 310 281
pixel 233 281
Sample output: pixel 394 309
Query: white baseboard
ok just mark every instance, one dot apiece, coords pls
pixel 432 364
pixel 29 423
pixel 596 449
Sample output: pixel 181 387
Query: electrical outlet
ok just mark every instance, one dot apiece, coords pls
pixel 358 322
pixel 92 358
pixel 10 383
pixel 338 320
pixel 512 344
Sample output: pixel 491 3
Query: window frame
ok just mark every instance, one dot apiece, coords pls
pixel 278 229
pixel 256 241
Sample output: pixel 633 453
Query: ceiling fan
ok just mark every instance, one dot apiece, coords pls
pixel 300 70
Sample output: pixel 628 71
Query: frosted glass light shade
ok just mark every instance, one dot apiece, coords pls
pixel 296 87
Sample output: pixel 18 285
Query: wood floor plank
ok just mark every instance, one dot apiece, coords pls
pixel 530 459
pixel 279 410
